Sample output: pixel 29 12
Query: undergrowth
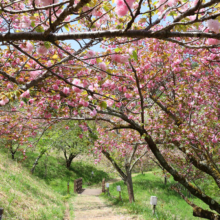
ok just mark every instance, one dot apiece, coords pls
pixel 170 205
pixel 42 195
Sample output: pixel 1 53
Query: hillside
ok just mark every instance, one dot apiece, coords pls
pixel 44 194
pixel 170 205
pixel 24 196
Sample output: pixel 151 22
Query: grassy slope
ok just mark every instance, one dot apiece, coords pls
pixel 57 175
pixel 170 205
pixel 42 195
pixel 26 197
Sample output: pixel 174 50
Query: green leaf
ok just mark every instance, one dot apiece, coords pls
pixel 17 93
pixel 98 60
pixel 173 13
pixel 25 100
pixel 134 54
pixel 120 26
pixel 117 50
pixel 93 136
pixel 39 29
pixel 67 27
pixel 32 24
pixel 47 44
pixel 103 105
pixel 106 8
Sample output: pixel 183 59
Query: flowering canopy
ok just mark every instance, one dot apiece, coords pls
pixel 144 80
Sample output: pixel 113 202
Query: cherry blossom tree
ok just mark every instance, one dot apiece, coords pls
pixel 122 152
pixel 145 80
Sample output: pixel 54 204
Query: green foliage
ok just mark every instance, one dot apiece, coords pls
pixel 39 29
pixel 42 195
pixel 103 105
pixel 47 44
pixel 26 197
pixel 65 136
pixel 170 205
pixel 54 172
pixel 134 55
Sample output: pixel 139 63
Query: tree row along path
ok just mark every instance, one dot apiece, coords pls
pixel 88 205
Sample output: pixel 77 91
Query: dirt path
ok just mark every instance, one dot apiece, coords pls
pixel 89 206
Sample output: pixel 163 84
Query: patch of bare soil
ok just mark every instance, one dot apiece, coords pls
pixel 67 212
pixel 88 206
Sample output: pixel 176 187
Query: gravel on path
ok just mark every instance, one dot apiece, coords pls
pixel 88 206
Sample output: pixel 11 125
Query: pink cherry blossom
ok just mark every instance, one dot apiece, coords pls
pixel 42 50
pixel 26 94
pixel 31 101
pixel 10 86
pixel 130 50
pixel 35 74
pixel 214 139
pixel 55 87
pixel 127 95
pixel 4 101
pixel 29 47
pixel 21 104
pixel 120 58
pixel 122 10
pixel 97 13
pixel 77 82
pixel 25 22
pixel 48 2
pixel 109 103
pixel 213 25
pixel 66 90
pixel 90 53
pixel 212 41
pixel 93 113
pixel 102 66
pixel 172 2
pixel 121 7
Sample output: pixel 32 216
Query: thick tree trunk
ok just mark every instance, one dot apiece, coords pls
pixel 213 205
pixel 69 159
pixel 129 184
pixel 199 212
pixel 68 163
pixel 12 152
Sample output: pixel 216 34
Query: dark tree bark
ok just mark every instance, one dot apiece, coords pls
pixel 126 177
pixel 198 211
pixel 12 155
pixel 12 151
pixel 69 159
pixel 115 165
pixel 129 183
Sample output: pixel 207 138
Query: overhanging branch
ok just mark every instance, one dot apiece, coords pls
pixel 107 34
